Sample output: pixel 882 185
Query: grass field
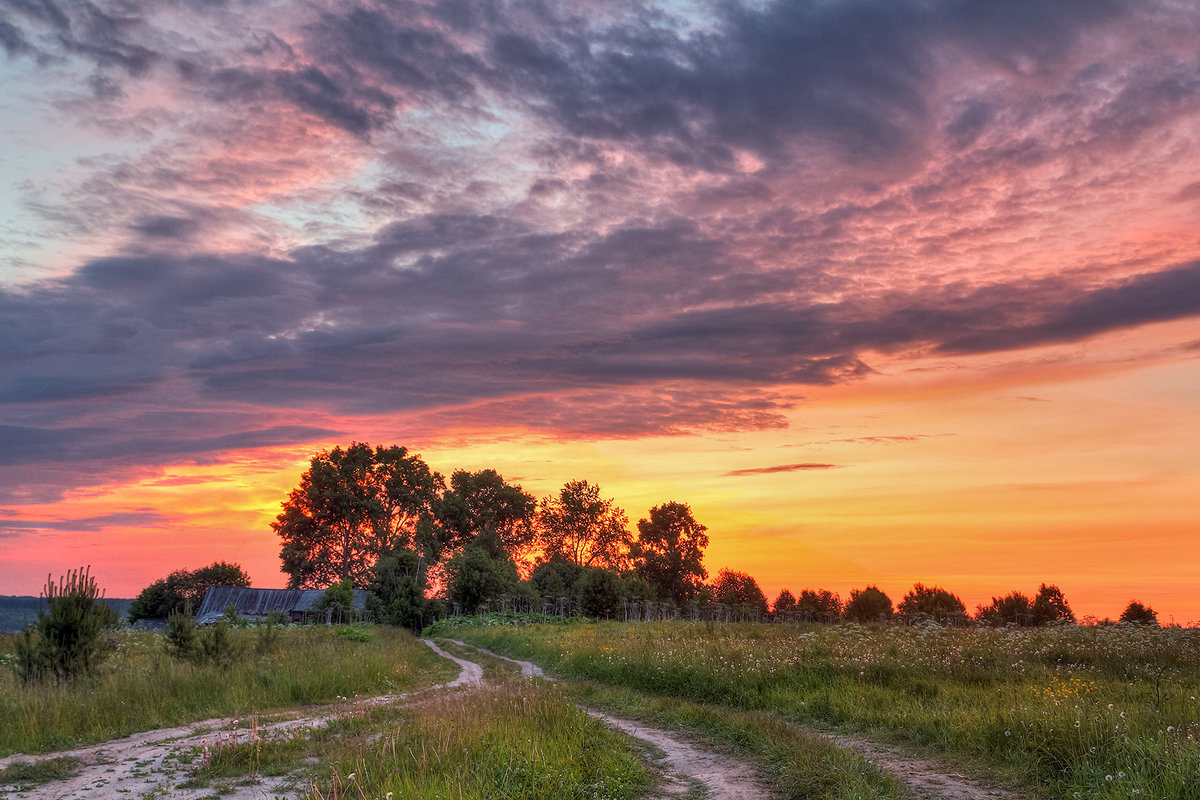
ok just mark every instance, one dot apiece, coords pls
pixel 139 687
pixel 1087 712
pixel 512 740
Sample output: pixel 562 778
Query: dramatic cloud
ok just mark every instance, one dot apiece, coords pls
pixel 609 221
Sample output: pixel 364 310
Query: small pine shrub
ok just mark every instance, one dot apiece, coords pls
pixel 210 645
pixel 183 638
pixel 67 640
pixel 268 635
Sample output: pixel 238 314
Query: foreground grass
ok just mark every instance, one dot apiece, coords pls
pixel 512 741
pixel 1072 712
pixel 139 687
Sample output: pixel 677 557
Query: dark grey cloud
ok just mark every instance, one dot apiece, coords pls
pixel 124 445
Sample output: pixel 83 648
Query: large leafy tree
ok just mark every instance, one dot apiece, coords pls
pixel 669 552
pixel 483 506
pixel 352 506
pixel 579 526
pixel 183 588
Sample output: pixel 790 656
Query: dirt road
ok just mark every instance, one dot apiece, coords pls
pixel 155 763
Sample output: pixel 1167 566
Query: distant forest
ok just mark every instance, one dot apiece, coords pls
pixel 15 611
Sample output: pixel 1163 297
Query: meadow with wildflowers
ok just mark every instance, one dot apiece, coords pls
pixel 1064 711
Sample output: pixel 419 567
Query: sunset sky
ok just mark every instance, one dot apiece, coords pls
pixel 891 291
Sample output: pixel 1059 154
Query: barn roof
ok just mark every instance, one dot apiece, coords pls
pixel 251 602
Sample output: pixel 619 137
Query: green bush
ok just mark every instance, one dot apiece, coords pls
pixel 210 645
pixel 66 641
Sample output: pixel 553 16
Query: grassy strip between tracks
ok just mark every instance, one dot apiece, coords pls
pixel 795 763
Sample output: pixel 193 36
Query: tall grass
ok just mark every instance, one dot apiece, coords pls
pixel 1104 712
pixel 140 687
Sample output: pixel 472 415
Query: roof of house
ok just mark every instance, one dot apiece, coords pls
pixel 251 602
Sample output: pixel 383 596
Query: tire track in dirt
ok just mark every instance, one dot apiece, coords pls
pixel 926 779
pixel 683 766
pixel 149 761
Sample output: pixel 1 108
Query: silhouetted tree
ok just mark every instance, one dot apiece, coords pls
pixel 184 587
pixel 819 605
pixel 669 552
pixel 868 605
pixel 1012 609
pixel 352 506
pixel 934 602
pixel 579 526
pixel 738 590
pixel 1049 605
pixel 784 604
pixel 1140 614
pixel 483 503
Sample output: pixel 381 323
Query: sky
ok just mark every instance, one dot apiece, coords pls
pixel 888 292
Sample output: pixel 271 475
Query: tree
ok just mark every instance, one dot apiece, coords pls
pixel 784 604
pixel 396 595
pixel 739 591
pixel 338 599
pixel 933 602
pixel 818 605
pixel 1139 614
pixel 66 641
pixel 669 552
pixel 599 592
pixel 868 605
pixel 184 587
pixel 484 504
pixel 351 507
pixel 475 576
pixel 555 579
pixel 1012 609
pixel 580 527
pixel 1049 605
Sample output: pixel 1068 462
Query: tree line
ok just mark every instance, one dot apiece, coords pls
pixel 378 518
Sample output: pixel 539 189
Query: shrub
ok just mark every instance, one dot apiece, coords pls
pixel 209 645
pixel 1012 609
pixel 66 641
pixel 1140 614
pixel 1050 606
pixel 183 638
pixel 932 602
pixel 868 605
pixel 396 595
